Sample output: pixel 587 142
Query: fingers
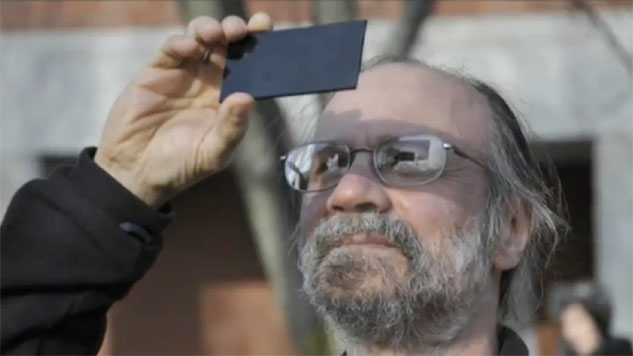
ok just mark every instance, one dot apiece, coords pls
pixel 234 28
pixel 176 49
pixel 205 32
pixel 260 22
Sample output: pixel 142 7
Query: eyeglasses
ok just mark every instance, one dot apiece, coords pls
pixel 403 162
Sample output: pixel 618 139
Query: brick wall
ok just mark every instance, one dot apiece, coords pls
pixel 26 15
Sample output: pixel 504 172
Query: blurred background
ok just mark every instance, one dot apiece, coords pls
pixel 226 282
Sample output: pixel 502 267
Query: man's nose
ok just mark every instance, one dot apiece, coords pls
pixel 357 193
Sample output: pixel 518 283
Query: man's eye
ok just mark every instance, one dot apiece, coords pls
pixel 332 162
pixel 404 156
pixel 392 157
pixel 326 163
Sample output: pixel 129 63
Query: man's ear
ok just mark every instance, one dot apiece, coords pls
pixel 514 237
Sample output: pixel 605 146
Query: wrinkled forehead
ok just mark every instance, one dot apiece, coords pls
pixel 404 99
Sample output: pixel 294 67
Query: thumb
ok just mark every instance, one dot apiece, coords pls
pixel 240 101
pixel 232 122
pixel 233 116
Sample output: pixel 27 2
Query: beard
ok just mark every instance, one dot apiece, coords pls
pixel 368 300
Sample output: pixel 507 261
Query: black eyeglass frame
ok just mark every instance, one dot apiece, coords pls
pixel 374 151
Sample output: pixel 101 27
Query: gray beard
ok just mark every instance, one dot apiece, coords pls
pixel 429 305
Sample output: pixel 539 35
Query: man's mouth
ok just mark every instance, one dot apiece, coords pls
pixel 366 240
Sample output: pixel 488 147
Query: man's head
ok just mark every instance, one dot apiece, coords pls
pixel 395 265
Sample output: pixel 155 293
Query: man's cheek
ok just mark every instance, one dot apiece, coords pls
pixel 429 214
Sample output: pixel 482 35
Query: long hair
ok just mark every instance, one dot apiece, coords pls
pixel 519 180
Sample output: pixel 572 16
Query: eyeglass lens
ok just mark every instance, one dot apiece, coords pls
pixel 405 161
pixel 316 166
pixel 410 161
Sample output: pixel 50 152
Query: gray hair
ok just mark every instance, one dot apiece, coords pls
pixel 518 182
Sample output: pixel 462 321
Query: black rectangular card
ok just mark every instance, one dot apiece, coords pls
pixel 296 61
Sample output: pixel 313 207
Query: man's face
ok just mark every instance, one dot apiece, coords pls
pixel 368 247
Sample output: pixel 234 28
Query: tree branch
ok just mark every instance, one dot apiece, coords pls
pixel 412 20
pixel 267 199
pixel 601 26
pixel 332 11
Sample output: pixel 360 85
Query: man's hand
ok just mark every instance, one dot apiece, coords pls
pixel 168 130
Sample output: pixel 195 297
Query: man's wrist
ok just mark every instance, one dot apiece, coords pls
pixel 151 196
pixel 115 199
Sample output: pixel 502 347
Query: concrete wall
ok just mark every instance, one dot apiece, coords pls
pixel 57 87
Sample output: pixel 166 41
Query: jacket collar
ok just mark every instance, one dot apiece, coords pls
pixel 510 343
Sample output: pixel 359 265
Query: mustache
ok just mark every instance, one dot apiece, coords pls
pixel 335 230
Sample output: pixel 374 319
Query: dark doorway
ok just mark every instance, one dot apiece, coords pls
pixel 573 259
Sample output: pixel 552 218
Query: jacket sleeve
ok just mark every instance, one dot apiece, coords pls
pixel 71 245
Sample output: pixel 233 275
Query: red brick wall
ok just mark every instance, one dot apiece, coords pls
pixel 24 15
pixel 207 294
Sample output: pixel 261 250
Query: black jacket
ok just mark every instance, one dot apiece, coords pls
pixel 71 246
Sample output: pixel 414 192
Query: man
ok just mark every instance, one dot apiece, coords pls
pixel 422 218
